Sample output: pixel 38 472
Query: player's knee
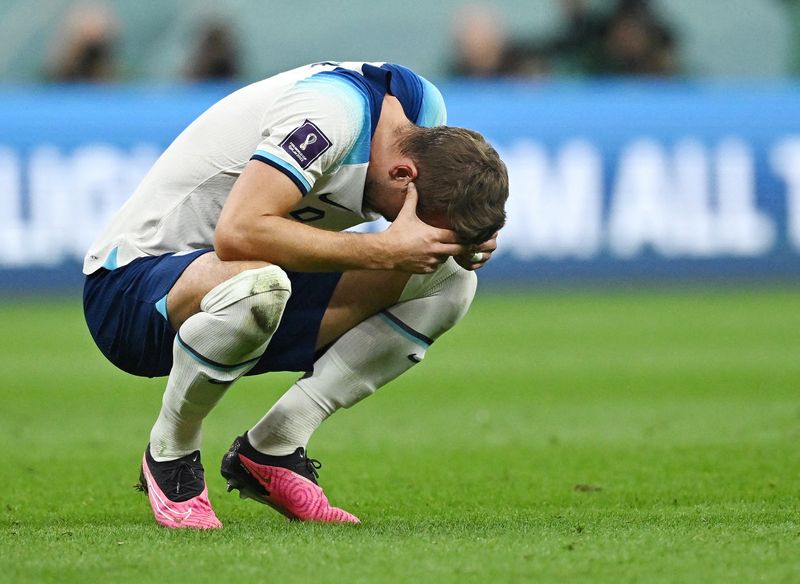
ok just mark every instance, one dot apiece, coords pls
pixel 436 302
pixel 456 296
pixel 252 302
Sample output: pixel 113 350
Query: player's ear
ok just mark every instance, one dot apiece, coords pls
pixel 404 171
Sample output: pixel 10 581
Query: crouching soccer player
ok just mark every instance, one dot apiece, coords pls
pixel 230 259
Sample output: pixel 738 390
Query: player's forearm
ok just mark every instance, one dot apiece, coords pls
pixel 302 248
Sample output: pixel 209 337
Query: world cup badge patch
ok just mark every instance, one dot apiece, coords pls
pixel 305 144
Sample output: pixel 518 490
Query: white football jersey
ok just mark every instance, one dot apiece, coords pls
pixel 314 123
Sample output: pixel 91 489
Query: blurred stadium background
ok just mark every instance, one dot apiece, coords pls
pixel 154 41
pixel 644 139
pixel 631 363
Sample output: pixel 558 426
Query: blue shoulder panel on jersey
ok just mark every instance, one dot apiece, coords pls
pixel 286 168
pixel 421 101
pixel 433 111
pixel 373 84
pixel 359 153
pixel 406 86
pixel 358 101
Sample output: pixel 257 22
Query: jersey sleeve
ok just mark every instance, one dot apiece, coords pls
pixel 309 130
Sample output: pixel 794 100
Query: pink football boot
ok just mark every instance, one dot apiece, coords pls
pixel 286 483
pixel 177 492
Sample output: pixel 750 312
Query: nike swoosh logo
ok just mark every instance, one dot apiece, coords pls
pixel 253 469
pixel 162 507
pixel 324 198
pixel 414 358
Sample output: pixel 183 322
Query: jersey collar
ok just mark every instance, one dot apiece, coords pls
pixel 375 82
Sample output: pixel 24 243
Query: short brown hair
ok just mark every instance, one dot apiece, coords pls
pixel 461 174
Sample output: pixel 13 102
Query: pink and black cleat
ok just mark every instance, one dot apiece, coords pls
pixel 286 483
pixel 177 492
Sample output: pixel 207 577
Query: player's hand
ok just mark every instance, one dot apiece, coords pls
pixel 476 256
pixel 414 246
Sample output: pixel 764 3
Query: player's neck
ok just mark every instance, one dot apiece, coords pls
pixel 393 118
pixel 383 193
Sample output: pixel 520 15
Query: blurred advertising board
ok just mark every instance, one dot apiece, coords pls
pixel 609 180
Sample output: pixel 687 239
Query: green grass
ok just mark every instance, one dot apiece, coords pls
pixel 680 412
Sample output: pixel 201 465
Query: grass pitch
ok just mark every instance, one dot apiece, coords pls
pixel 603 437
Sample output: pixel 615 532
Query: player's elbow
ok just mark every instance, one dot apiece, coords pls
pixel 230 245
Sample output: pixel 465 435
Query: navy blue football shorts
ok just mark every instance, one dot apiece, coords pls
pixel 126 312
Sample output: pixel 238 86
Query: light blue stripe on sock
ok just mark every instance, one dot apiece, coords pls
pixel 208 362
pixel 403 332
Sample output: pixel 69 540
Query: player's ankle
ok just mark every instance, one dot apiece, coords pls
pixel 268 448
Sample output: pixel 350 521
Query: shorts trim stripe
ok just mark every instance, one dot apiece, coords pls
pixel 161 307
pixel 405 330
pixel 209 363
pixel 111 260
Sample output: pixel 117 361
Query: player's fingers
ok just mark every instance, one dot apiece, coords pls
pixel 470 261
pixel 489 245
pixel 410 203
pixel 486 247
pixel 477 257
pixel 463 261
pixel 451 249
pixel 445 235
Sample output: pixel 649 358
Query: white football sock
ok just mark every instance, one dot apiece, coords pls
pixel 213 349
pixel 367 357
pixel 289 423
